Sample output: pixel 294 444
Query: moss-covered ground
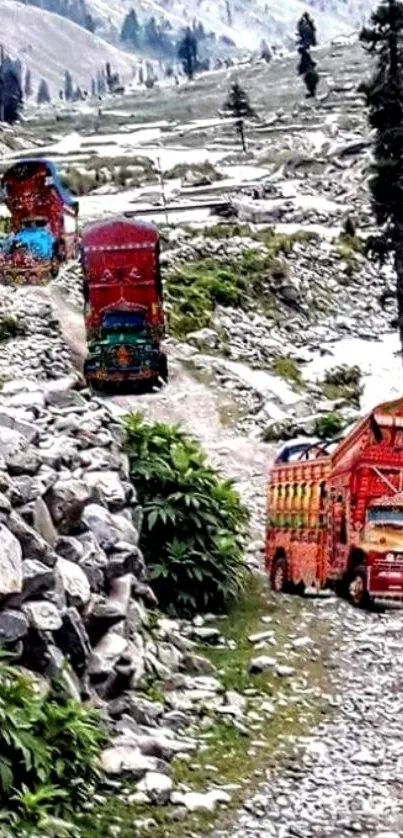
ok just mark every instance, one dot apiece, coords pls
pixel 229 757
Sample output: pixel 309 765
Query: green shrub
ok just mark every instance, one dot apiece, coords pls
pixel 11 327
pixel 194 290
pixel 49 746
pixel 329 425
pixel 285 367
pixel 194 524
pixel 343 383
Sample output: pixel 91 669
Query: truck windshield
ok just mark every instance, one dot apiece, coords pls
pixel 386 516
pixel 124 320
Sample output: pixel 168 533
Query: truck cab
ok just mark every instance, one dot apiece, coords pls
pixel 337 519
pixel 123 304
pixel 43 221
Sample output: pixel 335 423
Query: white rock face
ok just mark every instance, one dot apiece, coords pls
pixel 157 786
pixel 262 663
pixel 42 615
pixel 10 563
pixel 75 582
pixel 118 760
pixel 199 802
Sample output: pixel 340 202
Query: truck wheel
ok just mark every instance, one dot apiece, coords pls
pixel 278 575
pixel 357 587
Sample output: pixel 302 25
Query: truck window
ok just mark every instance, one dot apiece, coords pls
pixel 343 529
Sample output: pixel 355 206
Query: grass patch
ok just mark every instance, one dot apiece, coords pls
pixel 285 367
pixel 228 757
pixel 194 291
pixel 343 384
pixel 348 246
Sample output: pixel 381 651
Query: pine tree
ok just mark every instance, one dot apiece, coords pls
pixel 383 95
pixel 306 31
pixel 238 105
pixel 11 99
pixel 130 29
pixel 28 91
pixel 68 86
pixel 101 83
pixel 93 87
pixel 187 54
pixel 43 95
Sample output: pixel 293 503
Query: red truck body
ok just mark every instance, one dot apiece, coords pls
pixel 338 518
pixel 123 302
pixel 44 222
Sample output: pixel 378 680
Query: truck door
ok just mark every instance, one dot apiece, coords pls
pixel 338 531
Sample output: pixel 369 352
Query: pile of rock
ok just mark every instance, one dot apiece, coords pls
pixel 39 352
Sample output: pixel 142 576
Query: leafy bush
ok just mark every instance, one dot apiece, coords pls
pixel 329 425
pixel 49 745
pixel 11 327
pixel 343 383
pixel 194 523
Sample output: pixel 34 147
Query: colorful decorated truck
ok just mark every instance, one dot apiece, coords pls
pixel 44 223
pixel 124 313
pixel 336 517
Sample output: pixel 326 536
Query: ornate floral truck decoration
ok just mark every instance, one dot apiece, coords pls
pixel 336 517
pixel 124 313
pixel 44 223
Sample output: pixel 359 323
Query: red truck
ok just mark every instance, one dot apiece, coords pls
pixel 124 313
pixel 336 517
pixel 44 223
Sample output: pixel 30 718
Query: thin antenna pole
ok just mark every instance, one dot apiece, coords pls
pixel 162 184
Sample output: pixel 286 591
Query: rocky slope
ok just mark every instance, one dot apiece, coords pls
pixel 69 518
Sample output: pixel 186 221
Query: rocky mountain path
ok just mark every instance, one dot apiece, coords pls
pixel 346 777
pixel 192 403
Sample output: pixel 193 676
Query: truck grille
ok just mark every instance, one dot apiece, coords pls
pixel 388 565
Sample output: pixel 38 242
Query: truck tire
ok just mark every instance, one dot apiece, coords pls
pixel 278 575
pixel 357 587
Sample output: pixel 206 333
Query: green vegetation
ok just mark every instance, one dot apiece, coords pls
pixel 276 243
pixel 249 281
pixel 194 290
pixel 329 425
pixel 49 745
pixel 285 367
pixel 348 246
pixel 343 384
pixel 228 756
pixel 194 522
pixel 10 327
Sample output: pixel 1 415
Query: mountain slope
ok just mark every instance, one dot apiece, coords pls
pixel 245 21
pixel 49 45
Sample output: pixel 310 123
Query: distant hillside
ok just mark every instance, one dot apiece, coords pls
pixel 245 22
pixel 50 44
